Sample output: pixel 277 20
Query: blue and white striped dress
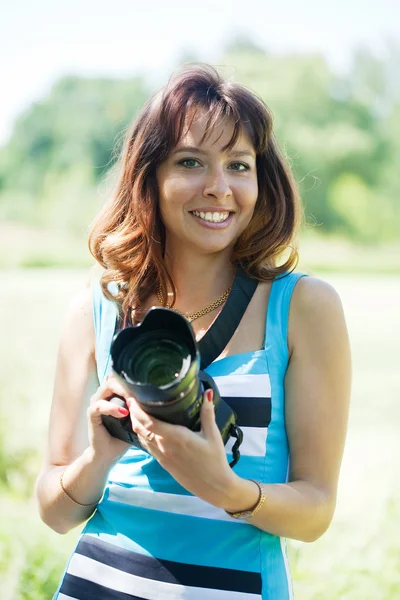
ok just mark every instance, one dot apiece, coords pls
pixel 151 539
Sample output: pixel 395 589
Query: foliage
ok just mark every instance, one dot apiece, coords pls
pixel 62 148
pixel 32 558
pixel 340 133
pixel 335 130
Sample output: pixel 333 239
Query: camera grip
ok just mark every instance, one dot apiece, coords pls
pixel 225 417
pixel 120 428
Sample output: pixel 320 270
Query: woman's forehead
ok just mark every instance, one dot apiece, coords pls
pixel 198 132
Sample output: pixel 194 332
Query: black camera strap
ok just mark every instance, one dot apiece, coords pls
pixel 217 337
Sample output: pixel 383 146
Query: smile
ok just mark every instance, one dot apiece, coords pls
pixel 212 217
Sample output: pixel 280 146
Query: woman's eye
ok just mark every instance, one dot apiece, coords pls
pixel 190 161
pixel 238 164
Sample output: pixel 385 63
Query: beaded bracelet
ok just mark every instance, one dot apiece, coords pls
pixel 70 497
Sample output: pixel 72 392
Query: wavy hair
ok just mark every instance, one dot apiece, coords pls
pixel 127 237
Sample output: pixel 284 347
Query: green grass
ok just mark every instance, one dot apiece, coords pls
pixel 357 559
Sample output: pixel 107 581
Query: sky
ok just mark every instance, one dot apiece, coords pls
pixel 43 40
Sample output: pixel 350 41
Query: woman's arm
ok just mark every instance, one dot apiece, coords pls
pixel 317 392
pixel 69 444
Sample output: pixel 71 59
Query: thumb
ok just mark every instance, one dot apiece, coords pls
pixel 207 415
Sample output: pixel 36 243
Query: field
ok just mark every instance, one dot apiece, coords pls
pixel 357 559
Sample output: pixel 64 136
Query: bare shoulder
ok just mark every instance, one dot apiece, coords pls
pixel 78 324
pixel 316 307
pixel 312 293
pixel 80 305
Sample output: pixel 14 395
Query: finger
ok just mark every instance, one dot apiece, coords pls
pixel 109 388
pixel 104 407
pixel 148 422
pixel 143 432
pixel 152 447
pixel 114 385
pixel 156 436
pixel 207 415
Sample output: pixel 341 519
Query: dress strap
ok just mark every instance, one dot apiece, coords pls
pixel 105 318
pixel 278 312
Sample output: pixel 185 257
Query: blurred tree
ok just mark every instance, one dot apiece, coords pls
pixel 366 215
pixel 242 43
pixel 341 135
pixel 325 124
pixel 65 144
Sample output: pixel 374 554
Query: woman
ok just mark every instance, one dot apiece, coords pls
pixel 203 189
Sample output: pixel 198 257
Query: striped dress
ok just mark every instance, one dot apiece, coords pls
pixel 151 539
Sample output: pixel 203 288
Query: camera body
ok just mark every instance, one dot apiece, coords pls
pixel 158 363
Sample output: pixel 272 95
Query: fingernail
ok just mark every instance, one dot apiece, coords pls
pixel 209 394
pixel 123 411
pixel 128 402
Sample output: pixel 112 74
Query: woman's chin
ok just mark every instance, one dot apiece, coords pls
pixel 206 242
pixel 213 246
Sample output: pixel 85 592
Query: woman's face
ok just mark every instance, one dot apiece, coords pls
pixel 207 196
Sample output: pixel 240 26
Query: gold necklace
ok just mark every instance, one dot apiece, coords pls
pixel 199 313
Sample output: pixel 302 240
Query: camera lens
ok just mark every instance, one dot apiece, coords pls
pixel 159 362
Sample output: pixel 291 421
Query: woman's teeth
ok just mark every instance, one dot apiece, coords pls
pixel 213 217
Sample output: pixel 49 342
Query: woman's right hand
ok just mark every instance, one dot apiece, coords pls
pixel 103 444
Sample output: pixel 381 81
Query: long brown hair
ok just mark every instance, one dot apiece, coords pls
pixel 128 237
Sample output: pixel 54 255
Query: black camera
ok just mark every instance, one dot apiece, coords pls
pixel 158 362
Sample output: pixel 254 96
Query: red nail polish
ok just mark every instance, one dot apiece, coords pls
pixel 123 411
pixel 210 395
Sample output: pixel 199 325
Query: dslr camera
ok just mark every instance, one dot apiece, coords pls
pixel 158 363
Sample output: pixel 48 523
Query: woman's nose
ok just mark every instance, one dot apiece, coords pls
pixel 217 184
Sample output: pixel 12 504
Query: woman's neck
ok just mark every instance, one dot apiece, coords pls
pixel 199 280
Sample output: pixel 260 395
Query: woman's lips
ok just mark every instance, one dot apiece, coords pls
pixel 214 224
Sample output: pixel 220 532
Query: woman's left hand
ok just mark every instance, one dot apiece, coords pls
pixel 197 460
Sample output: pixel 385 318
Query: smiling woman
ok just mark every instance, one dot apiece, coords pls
pixel 181 155
pixel 207 190
pixel 205 200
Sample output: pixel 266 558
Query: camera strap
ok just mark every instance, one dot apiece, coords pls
pixel 217 337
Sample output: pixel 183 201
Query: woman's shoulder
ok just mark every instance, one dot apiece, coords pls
pixel 316 310
pixel 81 299
pixel 78 325
pixel 311 293
pixel 81 302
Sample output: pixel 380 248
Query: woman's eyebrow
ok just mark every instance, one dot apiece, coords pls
pixel 199 151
